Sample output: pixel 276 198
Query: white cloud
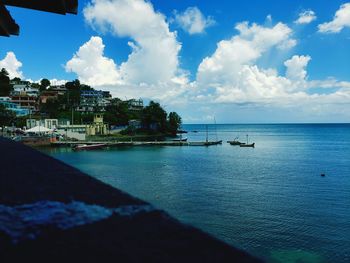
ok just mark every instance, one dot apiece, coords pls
pixel 231 75
pixel 12 65
pixel 193 21
pixel 225 65
pixel 340 20
pixel 296 67
pixel 92 67
pixel 154 49
pixel 152 67
pixel 306 17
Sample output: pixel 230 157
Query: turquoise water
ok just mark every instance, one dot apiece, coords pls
pixel 270 201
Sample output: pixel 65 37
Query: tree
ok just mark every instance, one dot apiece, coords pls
pixel 5 87
pixel 174 122
pixel 73 93
pixel 6 116
pixel 51 107
pixel 154 117
pixel 117 113
pixel 16 79
pixel 44 83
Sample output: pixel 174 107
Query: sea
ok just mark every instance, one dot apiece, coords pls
pixel 270 201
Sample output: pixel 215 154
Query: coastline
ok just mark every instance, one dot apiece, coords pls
pixel 28 177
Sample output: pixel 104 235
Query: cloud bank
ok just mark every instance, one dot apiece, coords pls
pixel 231 75
pixel 339 22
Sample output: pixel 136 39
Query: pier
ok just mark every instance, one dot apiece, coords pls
pixel 142 143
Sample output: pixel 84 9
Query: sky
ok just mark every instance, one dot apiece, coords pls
pixel 236 61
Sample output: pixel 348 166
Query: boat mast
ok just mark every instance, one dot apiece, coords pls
pixel 206 127
pixel 216 131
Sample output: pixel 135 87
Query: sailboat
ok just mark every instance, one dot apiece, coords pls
pixel 247 144
pixel 207 142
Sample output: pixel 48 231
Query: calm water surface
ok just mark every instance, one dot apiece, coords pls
pixel 270 201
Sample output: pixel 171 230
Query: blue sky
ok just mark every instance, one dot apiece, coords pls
pixel 198 57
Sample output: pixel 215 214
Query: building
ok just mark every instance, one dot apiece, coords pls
pixel 97 127
pixel 26 102
pixel 48 95
pixel 135 105
pixel 135 124
pixel 7 102
pixel 59 89
pixel 24 88
pixel 61 127
pixel 93 100
pixel 51 124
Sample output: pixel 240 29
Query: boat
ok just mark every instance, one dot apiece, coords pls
pixel 235 142
pixel 247 145
pixel 252 145
pixel 208 143
pixel 238 143
pixel 79 147
pixel 180 140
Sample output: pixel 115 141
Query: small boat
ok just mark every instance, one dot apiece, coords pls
pixel 247 145
pixel 180 140
pixel 89 146
pixel 252 145
pixel 235 142
pixel 208 143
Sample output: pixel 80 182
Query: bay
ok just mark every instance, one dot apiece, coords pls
pixel 270 200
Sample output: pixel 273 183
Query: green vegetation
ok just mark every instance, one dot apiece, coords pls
pixel 6 116
pixel 5 87
pixel 174 122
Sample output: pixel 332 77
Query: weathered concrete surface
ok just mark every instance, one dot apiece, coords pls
pixel 28 176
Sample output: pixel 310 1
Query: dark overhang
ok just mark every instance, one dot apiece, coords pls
pixel 8 25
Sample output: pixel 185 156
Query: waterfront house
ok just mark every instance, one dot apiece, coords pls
pixel 47 123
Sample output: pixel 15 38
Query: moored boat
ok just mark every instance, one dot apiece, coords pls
pixel 247 145
pixel 180 140
pixel 89 146
pixel 252 145
pixel 208 143
pixel 235 143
